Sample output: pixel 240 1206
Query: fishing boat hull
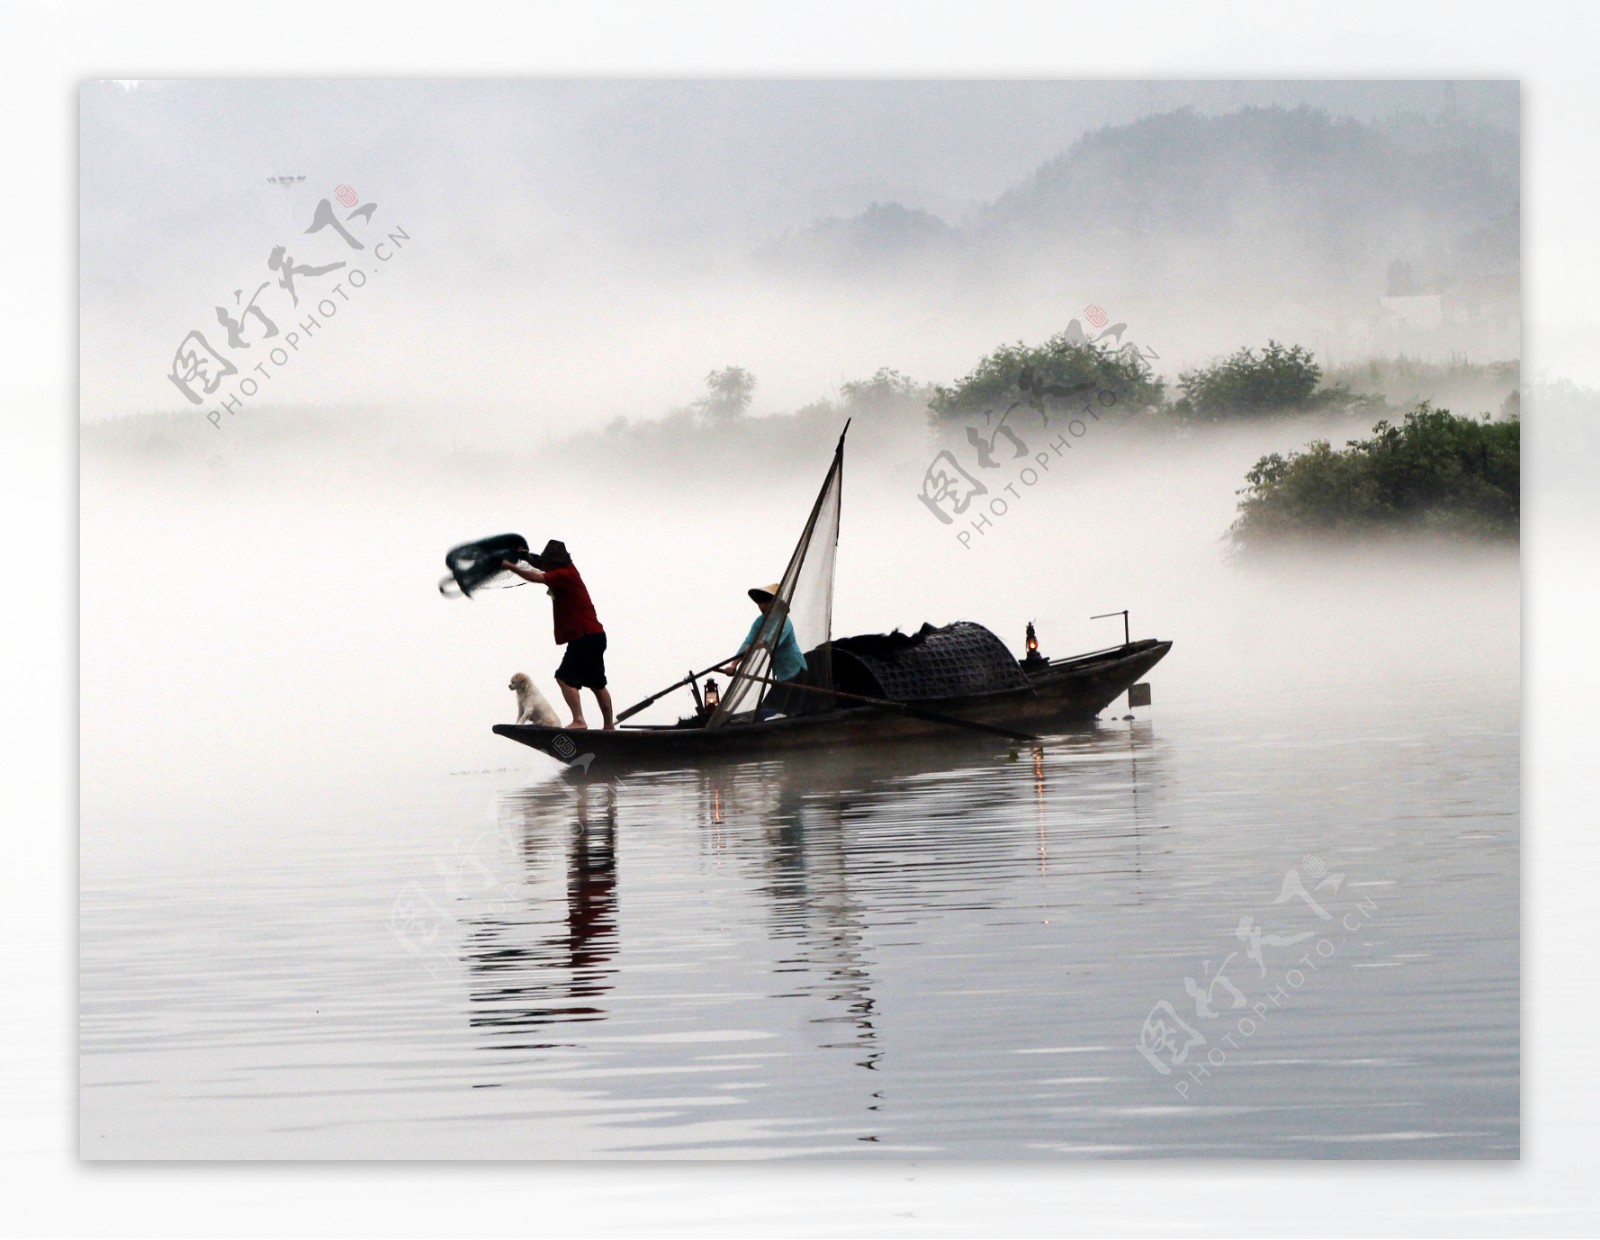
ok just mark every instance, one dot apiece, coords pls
pixel 1057 694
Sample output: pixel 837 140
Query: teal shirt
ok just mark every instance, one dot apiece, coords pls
pixel 787 661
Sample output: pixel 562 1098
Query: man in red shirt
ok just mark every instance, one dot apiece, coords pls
pixel 577 628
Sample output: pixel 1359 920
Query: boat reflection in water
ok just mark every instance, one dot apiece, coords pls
pixel 765 893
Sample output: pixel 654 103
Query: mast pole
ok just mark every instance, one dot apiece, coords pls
pixel 780 609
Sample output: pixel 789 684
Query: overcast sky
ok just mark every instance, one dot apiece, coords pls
pixel 569 192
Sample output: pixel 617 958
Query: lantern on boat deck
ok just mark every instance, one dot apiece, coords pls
pixel 1034 657
pixel 712 694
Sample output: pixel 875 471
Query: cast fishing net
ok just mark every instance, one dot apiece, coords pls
pixel 477 565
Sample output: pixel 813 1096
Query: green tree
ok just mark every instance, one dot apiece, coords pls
pixel 728 393
pixel 885 386
pixel 1064 370
pixel 1434 472
pixel 1250 384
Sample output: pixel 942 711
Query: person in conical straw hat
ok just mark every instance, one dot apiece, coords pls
pixel 788 661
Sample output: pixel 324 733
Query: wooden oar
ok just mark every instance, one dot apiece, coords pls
pixel 915 712
pixel 689 679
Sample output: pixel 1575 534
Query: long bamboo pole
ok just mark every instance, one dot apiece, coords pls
pixel 915 712
pixel 690 678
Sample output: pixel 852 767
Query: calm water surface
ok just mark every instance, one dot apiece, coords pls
pixel 314 924
pixel 936 951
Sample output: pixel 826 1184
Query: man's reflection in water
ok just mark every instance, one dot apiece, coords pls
pixel 592 892
pixel 553 977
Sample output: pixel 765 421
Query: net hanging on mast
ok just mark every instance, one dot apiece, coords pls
pixel 804 598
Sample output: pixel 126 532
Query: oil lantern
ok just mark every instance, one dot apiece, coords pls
pixel 1034 659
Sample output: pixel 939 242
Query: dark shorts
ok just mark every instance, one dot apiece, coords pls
pixel 584 664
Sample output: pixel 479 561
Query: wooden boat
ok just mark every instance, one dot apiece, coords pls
pixel 1057 694
pixel 864 690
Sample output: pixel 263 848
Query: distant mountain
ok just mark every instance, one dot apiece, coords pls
pixel 883 236
pixel 1194 173
pixel 1281 198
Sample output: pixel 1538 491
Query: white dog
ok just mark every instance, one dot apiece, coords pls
pixel 531 706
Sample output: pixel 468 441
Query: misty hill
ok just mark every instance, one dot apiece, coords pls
pixel 1270 198
pixel 885 235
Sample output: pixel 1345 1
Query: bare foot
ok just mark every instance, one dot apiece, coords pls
pixel 610 726
pixel 577 725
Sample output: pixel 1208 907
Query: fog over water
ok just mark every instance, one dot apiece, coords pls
pixel 947 950
pixel 301 586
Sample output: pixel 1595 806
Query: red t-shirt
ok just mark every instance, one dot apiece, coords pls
pixel 569 597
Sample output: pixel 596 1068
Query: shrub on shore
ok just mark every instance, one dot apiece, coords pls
pixel 1065 369
pixel 1434 472
pixel 1275 381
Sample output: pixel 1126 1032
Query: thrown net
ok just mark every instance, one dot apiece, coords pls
pixel 476 565
pixel 804 598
